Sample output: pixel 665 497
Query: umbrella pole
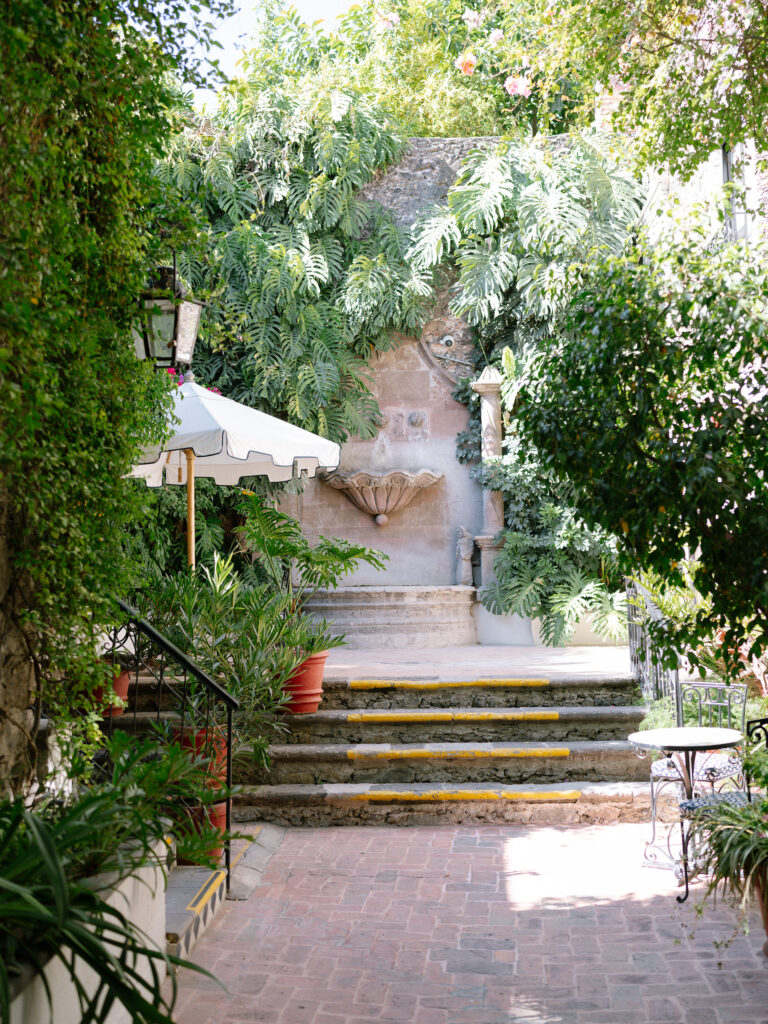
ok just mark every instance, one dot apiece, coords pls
pixel 190 507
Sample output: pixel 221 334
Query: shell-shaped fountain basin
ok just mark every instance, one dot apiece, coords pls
pixel 380 494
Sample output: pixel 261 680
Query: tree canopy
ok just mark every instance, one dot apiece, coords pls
pixel 442 67
pixel 693 74
pixel 654 402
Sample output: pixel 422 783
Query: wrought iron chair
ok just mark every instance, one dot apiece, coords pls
pixel 756 733
pixel 715 704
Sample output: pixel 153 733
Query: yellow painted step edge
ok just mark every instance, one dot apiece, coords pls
pixel 206 893
pixel 394 755
pixel 452 716
pixel 387 796
pixel 410 684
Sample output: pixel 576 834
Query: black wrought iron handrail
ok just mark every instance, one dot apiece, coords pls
pixel 173 651
pixel 656 681
pixel 197 702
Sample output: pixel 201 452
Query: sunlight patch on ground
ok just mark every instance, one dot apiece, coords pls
pixel 581 865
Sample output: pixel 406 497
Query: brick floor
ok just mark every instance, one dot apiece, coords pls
pixel 473 925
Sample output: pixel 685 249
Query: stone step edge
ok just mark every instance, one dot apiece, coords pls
pixel 440 682
pixel 629 712
pixel 338 752
pixel 193 897
pixel 356 793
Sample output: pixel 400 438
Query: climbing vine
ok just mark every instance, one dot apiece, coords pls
pixel 305 279
pixel 520 227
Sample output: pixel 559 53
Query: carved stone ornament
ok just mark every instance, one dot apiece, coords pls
pixel 380 494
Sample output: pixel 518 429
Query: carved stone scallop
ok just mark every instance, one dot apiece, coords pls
pixel 380 494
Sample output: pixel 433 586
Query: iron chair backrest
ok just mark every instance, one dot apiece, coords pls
pixel 716 704
pixel 756 732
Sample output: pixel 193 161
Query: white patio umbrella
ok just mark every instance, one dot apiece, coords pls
pixel 225 440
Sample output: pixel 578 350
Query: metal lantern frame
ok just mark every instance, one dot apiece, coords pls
pixel 166 295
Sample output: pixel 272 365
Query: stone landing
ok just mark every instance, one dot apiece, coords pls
pixel 395 618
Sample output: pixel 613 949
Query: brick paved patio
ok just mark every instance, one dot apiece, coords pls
pixel 473 925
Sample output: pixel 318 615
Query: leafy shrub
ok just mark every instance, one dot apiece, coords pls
pixel 242 634
pixel 305 278
pixel 60 860
pixel 652 401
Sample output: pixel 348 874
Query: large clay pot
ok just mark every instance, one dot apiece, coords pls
pixel 216 815
pixel 104 700
pixel 306 685
pixel 209 742
pixel 760 880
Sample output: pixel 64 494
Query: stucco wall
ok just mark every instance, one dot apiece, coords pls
pixel 421 421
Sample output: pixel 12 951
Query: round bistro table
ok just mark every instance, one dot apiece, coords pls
pixel 688 741
pixel 683 743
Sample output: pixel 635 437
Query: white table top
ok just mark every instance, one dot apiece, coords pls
pixel 687 738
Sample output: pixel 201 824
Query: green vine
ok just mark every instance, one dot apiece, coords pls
pixel 306 280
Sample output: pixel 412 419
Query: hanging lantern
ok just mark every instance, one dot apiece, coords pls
pixel 169 321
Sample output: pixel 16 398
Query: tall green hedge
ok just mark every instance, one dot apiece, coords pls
pixel 87 95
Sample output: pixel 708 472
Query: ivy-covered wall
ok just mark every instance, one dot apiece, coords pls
pixel 413 385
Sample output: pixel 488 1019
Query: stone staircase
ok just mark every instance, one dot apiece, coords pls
pixel 474 749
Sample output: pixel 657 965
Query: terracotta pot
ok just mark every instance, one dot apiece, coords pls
pixel 760 879
pixel 104 700
pixel 306 685
pixel 209 742
pixel 216 815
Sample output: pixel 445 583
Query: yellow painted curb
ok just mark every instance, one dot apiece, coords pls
pixel 204 895
pixel 410 684
pixel 502 715
pixel 387 796
pixel 394 755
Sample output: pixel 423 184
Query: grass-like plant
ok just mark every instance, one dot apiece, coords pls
pixel 734 841
pixel 60 862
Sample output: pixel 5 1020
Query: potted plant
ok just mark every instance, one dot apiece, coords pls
pixel 74 931
pixel 733 840
pixel 110 698
pixel 299 569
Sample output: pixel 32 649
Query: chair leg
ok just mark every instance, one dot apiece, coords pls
pixel 686 835
pixel 655 787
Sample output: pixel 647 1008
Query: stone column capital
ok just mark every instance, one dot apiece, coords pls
pixel 490 542
pixel 489 382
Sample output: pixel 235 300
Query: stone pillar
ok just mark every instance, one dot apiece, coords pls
pixel 488 386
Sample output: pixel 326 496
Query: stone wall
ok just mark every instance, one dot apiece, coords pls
pixel 421 421
pixel 413 385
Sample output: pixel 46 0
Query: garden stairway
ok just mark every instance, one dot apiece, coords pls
pixel 423 750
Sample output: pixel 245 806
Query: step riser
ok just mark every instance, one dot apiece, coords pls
pixel 512 812
pixel 398 617
pixel 459 732
pixel 340 696
pixel 595 767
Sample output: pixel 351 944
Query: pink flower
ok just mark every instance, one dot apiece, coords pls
pixel 472 19
pixel 495 37
pixel 466 63
pixel 517 86
pixel 387 21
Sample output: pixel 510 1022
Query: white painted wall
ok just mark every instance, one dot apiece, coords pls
pixel 142 900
